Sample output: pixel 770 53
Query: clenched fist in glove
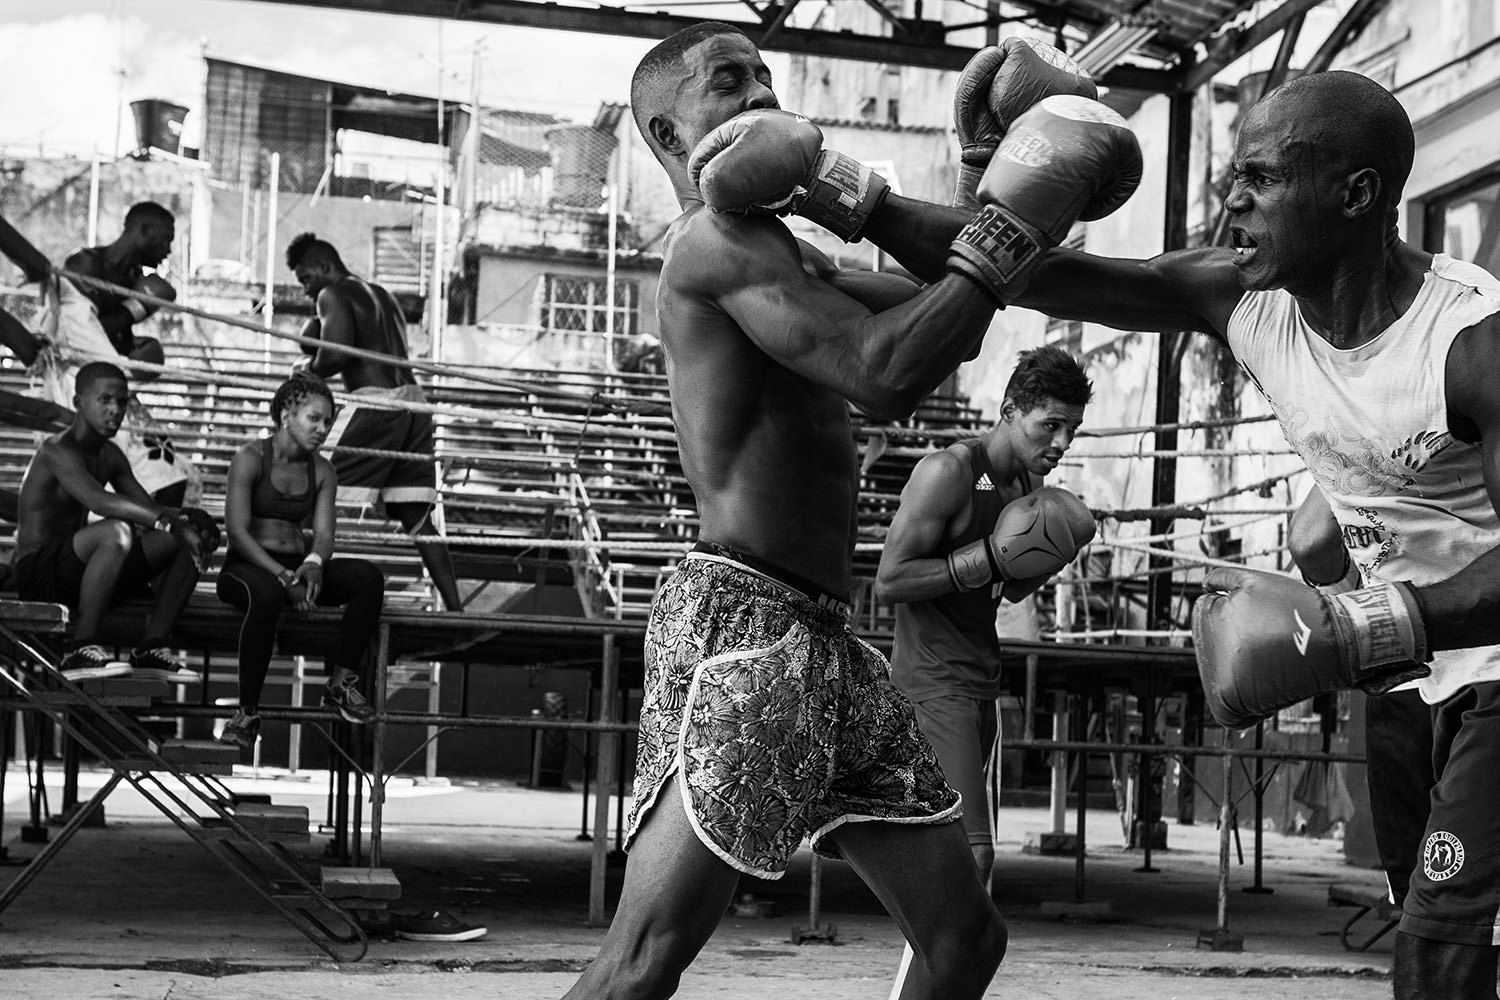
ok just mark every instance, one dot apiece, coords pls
pixel 1266 641
pixel 997 85
pixel 155 286
pixel 1066 159
pixel 773 161
pixel 1034 536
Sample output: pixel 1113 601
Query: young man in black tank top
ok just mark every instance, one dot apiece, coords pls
pixel 947 657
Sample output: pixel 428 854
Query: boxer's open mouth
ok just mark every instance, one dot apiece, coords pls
pixel 1244 245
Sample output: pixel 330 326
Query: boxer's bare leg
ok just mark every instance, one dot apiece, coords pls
pixel 924 875
pixel 676 891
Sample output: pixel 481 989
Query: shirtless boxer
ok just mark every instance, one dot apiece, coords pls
pixel 764 718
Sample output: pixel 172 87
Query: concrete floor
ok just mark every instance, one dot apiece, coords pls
pixel 136 910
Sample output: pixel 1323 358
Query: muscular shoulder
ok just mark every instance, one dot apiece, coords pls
pixel 1209 278
pixel 1473 381
pixel 247 458
pixel 709 252
pixel 941 477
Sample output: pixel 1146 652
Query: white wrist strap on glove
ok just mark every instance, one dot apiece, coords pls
pixel 137 309
pixel 1378 628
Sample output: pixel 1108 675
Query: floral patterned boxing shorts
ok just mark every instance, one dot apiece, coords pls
pixel 779 721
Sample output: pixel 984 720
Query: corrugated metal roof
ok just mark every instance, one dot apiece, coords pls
pixel 1184 23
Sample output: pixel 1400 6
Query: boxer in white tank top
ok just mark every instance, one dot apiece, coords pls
pixel 1383 364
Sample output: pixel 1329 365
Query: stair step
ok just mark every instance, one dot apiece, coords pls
pixel 216 829
pixel 361 884
pixel 272 818
pixel 187 754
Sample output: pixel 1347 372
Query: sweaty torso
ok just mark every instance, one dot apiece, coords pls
pixel 379 326
pixel 44 509
pixel 770 455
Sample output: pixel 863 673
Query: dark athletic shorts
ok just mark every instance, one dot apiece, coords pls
pixel 1455 888
pixel 53 573
pixel 778 721
pixel 963 731
pixel 372 479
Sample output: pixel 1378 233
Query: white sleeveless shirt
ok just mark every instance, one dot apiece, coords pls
pixel 1371 424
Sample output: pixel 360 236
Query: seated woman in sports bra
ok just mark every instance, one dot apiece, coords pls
pixel 276 485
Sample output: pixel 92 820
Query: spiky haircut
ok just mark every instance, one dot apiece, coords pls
pixel 306 248
pixel 295 391
pixel 1044 373
pixel 658 64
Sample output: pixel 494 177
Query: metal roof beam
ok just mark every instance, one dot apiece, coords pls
pixel 1231 45
pixel 1355 20
pixel 917 49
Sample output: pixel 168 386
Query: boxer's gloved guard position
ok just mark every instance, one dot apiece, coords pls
pixel 773 161
pixel 995 88
pixel 1265 642
pixel 155 286
pixel 1036 535
pixel 1066 159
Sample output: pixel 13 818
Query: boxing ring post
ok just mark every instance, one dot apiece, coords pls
pixel 609 748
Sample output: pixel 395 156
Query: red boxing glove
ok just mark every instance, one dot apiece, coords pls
pixel 1066 159
pixel 772 161
pixel 997 85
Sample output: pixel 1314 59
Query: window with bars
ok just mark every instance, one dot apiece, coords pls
pixel 577 303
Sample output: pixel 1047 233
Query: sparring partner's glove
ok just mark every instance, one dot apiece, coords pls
pixel 1066 159
pixel 1265 641
pixel 1036 535
pixel 772 161
pixel 996 86
pixel 155 286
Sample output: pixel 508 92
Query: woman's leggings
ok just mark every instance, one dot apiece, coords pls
pixel 357 584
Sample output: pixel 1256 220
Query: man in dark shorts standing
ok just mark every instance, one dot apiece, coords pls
pixel 979 495
pixel 946 658
pixel 138 546
pixel 362 314
pixel 765 719
pixel 1382 364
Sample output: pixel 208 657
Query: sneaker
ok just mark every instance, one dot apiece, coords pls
pixel 346 700
pixel 241 730
pixel 85 662
pixel 158 664
pixel 435 925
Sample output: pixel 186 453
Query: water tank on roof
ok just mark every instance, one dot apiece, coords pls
pixel 158 124
pixel 580 164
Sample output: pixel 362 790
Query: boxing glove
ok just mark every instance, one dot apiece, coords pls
pixel 996 86
pixel 1034 536
pixel 1266 641
pixel 772 161
pixel 312 329
pixel 1068 158
pixel 155 286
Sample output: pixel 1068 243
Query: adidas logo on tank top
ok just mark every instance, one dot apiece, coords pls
pixel 983 482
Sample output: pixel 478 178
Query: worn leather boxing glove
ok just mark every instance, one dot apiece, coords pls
pixel 1036 535
pixel 155 286
pixel 773 161
pixel 1265 641
pixel 998 84
pixel 1066 159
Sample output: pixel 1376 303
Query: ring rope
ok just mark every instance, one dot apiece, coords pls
pixel 431 368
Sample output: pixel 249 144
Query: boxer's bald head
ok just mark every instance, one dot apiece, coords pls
pixel 1344 122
